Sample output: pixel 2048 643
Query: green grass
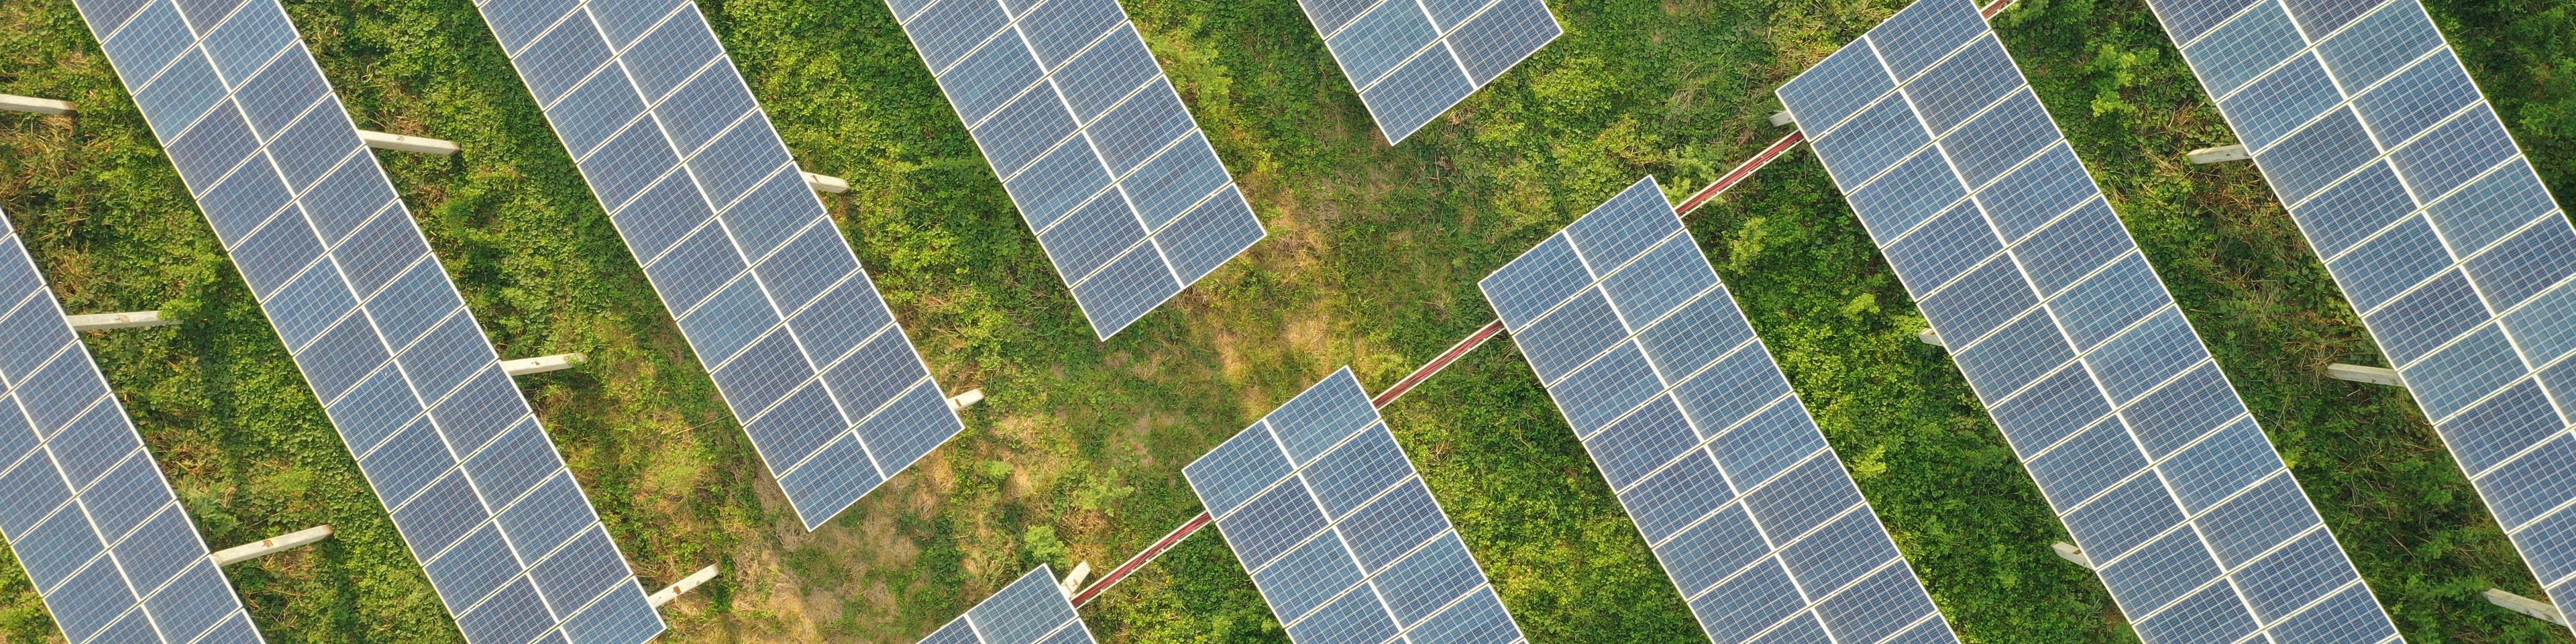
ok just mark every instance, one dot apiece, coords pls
pixel 1372 263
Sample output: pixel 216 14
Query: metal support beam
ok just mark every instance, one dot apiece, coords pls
pixel 1782 119
pixel 1073 580
pixel 542 364
pixel 16 103
pixel 825 183
pixel 2526 606
pixel 965 400
pixel 2372 375
pixel 674 591
pixel 2220 154
pixel 400 143
pixel 128 320
pixel 272 545
pixel 1930 337
pixel 2069 552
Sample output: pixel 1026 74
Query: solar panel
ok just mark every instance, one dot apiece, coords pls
pixel 2094 375
pixel 808 357
pixel 316 229
pixel 1411 61
pixel 1093 144
pixel 101 536
pixel 1341 536
pixel 2433 222
pixel 1684 411
pixel 1029 611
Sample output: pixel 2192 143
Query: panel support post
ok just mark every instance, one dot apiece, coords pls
pixel 542 364
pixel 2372 375
pixel 1782 119
pixel 2526 606
pixel 1073 580
pixel 965 400
pixel 400 143
pixel 2069 552
pixel 16 103
pixel 826 183
pixel 1930 337
pixel 2220 154
pixel 686 584
pixel 272 545
pixel 127 320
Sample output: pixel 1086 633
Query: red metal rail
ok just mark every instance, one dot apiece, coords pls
pixel 1741 171
pixel 1455 352
pixel 1996 7
pixel 1143 558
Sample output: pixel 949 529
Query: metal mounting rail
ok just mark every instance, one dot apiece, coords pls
pixel 1741 171
pixel 1429 369
pixel 1146 557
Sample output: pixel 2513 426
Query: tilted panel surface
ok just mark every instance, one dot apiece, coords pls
pixel 1032 610
pixel 473 483
pixel 2433 222
pixel 2097 379
pixel 1092 143
pixel 1339 532
pixel 808 357
pixel 1690 419
pixel 1412 60
pixel 101 536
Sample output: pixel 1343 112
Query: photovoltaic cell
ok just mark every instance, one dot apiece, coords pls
pixel 1092 143
pixel 2094 375
pixel 99 532
pixel 1032 610
pixel 808 357
pixel 411 383
pixel 1339 532
pixel 1715 458
pixel 2432 221
pixel 1411 60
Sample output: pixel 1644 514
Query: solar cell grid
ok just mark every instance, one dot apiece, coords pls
pixel 1411 60
pixel 2430 219
pixel 2079 354
pixel 1339 532
pixel 102 538
pixel 766 290
pixel 379 332
pixel 1717 461
pixel 1032 610
pixel 1092 143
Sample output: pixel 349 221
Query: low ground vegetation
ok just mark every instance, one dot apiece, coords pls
pixel 1372 262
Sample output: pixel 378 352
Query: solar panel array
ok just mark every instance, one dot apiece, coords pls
pixel 410 381
pixel 766 290
pixel 1696 429
pixel 1411 60
pixel 97 529
pixel 2071 341
pixel 1340 534
pixel 1091 141
pixel 2434 223
pixel 1029 611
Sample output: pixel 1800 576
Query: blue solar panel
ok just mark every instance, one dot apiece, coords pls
pixel 1092 143
pixel 98 531
pixel 1339 532
pixel 2433 222
pixel 765 288
pixel 2095 377
pixel 1032 610
pixel 1411 61
pixel 451 447
pixel 1718 462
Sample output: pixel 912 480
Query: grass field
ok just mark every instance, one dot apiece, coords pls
pixel 1372 262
